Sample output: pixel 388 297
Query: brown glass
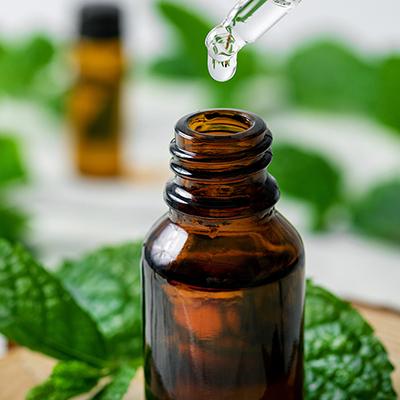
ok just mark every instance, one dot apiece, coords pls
pixel 223 271
pixel 95 107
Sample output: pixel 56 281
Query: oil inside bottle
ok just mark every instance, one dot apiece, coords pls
pixel 224 344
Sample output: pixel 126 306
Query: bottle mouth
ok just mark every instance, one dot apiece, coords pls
pixel 221 142
pixel 220 124
pixel 221 133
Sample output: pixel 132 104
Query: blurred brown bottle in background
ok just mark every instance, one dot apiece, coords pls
pixel 95 110
pixel 223 271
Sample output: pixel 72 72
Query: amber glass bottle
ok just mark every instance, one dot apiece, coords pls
pixel 223 271
pixel 95 103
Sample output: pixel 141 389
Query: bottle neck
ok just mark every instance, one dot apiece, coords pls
pixel 220 160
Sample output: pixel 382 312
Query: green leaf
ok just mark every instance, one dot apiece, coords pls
pixel 191 30
pixel 119 385
pixel 40 49
pixel 106 283
pixel 388 102
pixel 308 176
pixel 11 166
pixel 12 222
pixel 68 379
pixel 176 67
pixel 20 63
pixel 343 358
pixel 329 75
pixel 378 213
pixel 36 311
pixel 31 69
pixel 12 170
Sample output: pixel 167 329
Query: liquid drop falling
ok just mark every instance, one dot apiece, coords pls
pixel 222 53
pixel 222 71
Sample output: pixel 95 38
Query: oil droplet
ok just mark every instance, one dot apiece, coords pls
pixel 222 71
pixel 222 53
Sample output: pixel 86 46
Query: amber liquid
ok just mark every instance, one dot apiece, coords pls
pixel 233 344
pixel 95 108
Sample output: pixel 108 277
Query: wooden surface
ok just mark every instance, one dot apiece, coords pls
pixel 22 369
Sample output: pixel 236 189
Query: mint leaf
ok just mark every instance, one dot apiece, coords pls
pixel 36 311
pixel 12 170
pixel 40 49
pixel 27 70
pixel 343 358
pixel 106 283
pixel 308 176
pixel 119 385
pixel 176 67
pixel 389 92
pixel 11 166
pixel 191 30
pixel 68 379
pixel 20 63
pixel 378 213
pixel 329 75
pixel 12 222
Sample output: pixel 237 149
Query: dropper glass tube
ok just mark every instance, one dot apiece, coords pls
pixel 247 21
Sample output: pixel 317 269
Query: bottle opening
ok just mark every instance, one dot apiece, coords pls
pixel 221 133
pixel 220 123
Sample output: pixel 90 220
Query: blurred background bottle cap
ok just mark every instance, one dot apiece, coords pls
pixel 100 21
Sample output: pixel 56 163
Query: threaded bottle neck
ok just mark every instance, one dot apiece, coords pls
pixel 219 158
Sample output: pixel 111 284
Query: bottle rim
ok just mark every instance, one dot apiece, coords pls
pixel 244 125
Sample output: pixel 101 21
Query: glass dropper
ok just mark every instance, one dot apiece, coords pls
pixel 246 22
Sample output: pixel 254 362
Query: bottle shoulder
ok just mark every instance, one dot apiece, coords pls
pixel 228 256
